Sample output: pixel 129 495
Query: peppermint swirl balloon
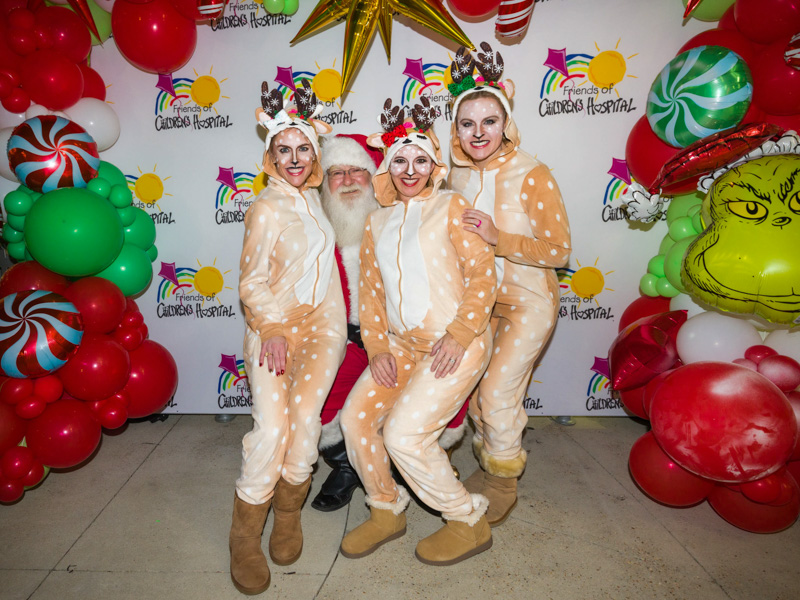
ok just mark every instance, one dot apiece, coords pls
pixel 39 332
pixel 49 152
pixel 700 92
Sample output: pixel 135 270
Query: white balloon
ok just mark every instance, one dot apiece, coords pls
pixel 36 110
pixel 106 5
pixel 98 119
pixel 5 168
pixel 785 341
pixel 687 303
pixel 712 336
pixel 9 119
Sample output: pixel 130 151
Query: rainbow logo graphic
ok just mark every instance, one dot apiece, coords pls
pixel 429 79
pixel 597 384
pixel 232 373
pixel 564 279
pixel 177 282
pixel 620 180
pixel 604 70
pixel 237 186
pixel 203 91
pixel 576 67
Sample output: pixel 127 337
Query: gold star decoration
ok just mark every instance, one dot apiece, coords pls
pixel 364 16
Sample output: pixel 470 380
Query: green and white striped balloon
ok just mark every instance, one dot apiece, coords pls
pixel 700 92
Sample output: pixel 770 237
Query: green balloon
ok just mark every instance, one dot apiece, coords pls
pixel 16 221
pixel 273 7
pixel 290 6
pixel 694 210
pixel 673 262
pixel 111 174
pixel 12 235
pixel 120 196
pixel 131 271
pixel 17 203
pixel 74 232
pixel 681 228
pixel 152 252
pixel 16 250
pixel 666 244
pixel 142 232
pixel 127 215
pixel 656 265
pixel 99 186
pixel 697 223
pixel 710 10
pixel 679 205
pixel 665 288
pixel 647 284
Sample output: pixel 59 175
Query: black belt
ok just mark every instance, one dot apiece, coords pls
pixel 354 335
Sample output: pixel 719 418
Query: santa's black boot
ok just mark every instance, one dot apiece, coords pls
pixel 340 484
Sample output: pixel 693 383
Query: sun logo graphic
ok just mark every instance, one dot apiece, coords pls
pixel 598 392
pixel 185 103
pixel 327 85
pixel 617 185
pixel 426 79
pixel 148 190
pixel 577 81
pixel 184 291
pixel 235 194
pixel 233 389
pixel 583 285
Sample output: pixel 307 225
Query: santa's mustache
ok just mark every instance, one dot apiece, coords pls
pixel 346 189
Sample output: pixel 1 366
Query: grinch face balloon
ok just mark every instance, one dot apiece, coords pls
pixel 748 259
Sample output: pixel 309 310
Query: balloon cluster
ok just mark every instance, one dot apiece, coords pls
pixel 513 16
pixel 53 411
pixel 723 408
pixel 278 7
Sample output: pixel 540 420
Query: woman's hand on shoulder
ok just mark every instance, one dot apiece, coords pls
pixel 383 367
pixel 274 350
pixel 479 222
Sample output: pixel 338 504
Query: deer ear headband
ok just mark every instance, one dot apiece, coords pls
pixel 490 66
pixel 399 131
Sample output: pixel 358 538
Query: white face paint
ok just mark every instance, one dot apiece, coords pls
pixel 293 156
pixel 410 170
pixel 479 126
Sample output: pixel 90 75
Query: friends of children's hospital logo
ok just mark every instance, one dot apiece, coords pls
pixel 430 80
pixel 598 392
pixel 149 193
pixel 327 85
pixel 233 388
pixel 236 192
pixel 581 83
pixel 189 104
pixel 247 14
pixel 620 180
pixel 580 289
pixel 189 292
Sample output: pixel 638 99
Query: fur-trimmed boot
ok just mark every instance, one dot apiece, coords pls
pixel 249 569
pixel 459 539
pixel 387 522
pixel 286 539
pixel 340 484
pixel 474 483
pixel 500 482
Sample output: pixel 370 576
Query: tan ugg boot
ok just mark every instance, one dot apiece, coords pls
pixel 249 569
pixel 502 495
pixel 474 483
pixel 459 539
pixel 286 539
pixel 387 522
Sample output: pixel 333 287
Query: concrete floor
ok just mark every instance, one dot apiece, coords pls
pixel 148 517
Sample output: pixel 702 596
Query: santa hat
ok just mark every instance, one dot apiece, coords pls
pixel 350 150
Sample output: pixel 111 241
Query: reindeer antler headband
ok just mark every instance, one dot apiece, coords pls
pixel 399 130
pixel 489 64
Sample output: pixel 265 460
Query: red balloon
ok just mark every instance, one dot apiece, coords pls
pixel 11 490
pixel 68 32
pixel 35 475
pixel 732 40
pixel 766 490
pixel 644 349
pixel 30 275
pixel 189 9
pixel 18 101
pixel 633 400
pixel 643 306
pixel 13 391
pixel 794 402
pixel 758 353
pixel 793 468
pixel 20 18
pixel 645 154
pixel 776 85
pixel 51 79
pixel 8 58
pixel 100 302
pixel 475 8
pixel 16 462
pixel 93 84
pixel 12 427
pixel 652 387
pixel 788 122
pixel 154 36
pixel 98 370
pixel 112 414
pixel 64 435
pixel 153 381
pixel 22 42
pixel 128 337
pixel 130 305
pixel 781 370
pixel 745 514
pixel 662 478
pixel 723 422
pixel 728 21
pixel 48 388
pixel 764 21
pixel 31 407
pixel 132 319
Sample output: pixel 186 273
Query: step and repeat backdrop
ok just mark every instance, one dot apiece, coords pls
pixel 191 151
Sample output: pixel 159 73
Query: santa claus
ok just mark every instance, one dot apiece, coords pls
pixel 347 198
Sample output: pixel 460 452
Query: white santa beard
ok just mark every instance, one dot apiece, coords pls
pixel 348 217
